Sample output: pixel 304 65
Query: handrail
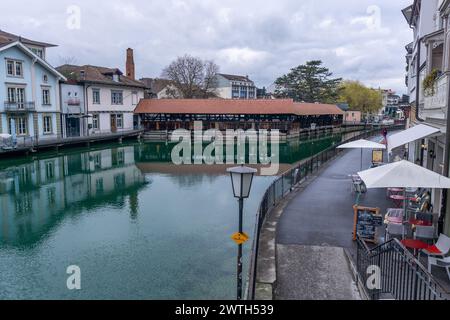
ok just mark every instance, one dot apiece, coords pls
pixel 284 184
pixel 401 275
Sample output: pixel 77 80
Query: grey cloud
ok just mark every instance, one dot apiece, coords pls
pixel 269 36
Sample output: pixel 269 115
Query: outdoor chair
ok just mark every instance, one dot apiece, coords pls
pixel 443 263
pixel 438 251
pixel 425 233
pixel 358 185
pixel 395 230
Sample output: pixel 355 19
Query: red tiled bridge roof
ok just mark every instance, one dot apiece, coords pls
pixel 234 107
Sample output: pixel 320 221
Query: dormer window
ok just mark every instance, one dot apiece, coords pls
pixel 38 52
pixel 116 78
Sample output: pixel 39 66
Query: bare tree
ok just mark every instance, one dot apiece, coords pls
pixel 193 77
pixel 70 60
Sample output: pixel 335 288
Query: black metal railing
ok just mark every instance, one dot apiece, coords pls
pixel 19 106
pixel 390 271
pixel 284 184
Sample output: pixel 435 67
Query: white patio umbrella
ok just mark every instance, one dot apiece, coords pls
pixel 403 174
pixel 362 144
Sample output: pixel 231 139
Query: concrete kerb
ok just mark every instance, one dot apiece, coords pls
pixel 266 275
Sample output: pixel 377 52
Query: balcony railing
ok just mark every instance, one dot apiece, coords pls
pixel 439 99
pixel 73 109
pixel 19 106
pixel 73 102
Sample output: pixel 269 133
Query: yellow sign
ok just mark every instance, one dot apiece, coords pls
pixel 377 156
pixel 240 238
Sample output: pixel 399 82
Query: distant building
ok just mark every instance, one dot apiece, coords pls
pixel 160 89
pixel 110 96
pixel 235 87
pixel 390 103
pixel 74 115
pixel 29 90
pixel 350 116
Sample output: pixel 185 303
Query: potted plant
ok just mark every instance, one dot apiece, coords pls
pixel 429 82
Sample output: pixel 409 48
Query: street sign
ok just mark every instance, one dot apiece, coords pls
pixel 240 238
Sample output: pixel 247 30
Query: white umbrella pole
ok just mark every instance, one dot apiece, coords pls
pixel 361 159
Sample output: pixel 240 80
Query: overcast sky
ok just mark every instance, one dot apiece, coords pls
pixel 357 39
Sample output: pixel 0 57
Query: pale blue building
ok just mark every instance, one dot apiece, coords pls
pixel 29 90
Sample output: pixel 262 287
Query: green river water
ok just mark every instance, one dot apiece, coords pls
pixel 138 226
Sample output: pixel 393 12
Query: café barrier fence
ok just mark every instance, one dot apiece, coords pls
pixel 284 184
pixel 390 271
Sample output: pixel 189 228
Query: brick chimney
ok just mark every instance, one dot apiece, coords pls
pixel 130 64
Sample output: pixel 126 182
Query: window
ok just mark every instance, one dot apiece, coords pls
pixel 99 185
pixel 47 124
pixel 10 67
pixel 116 97
pixel 19 69
pixel 119 181
pixel 119 121
pixel 45 78
pixel 11 94
pixel 49 170
pixel 38 52
pixel 98 161
pixel 45 97
pixel 96 96
pixel 134 98
pixel 243 93
pixel 235 91
pixel 16 96
pixel 21 126
pixel 14 68
pixel 95 122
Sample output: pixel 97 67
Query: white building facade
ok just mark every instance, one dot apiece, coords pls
pixel 109 98
pixel 235 87
pixel 29 91
pixel 427 79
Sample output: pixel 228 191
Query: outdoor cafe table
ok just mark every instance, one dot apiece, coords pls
pixel 417 222
pixel 399 199
pixel 414 244
pixel 393 191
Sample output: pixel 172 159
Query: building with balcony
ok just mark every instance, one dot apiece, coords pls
pixel 428 70
pixel 74 116
pixel 109 96
pixel 29 90
pixel 235 87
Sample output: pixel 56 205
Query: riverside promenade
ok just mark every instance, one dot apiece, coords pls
pixel 314 233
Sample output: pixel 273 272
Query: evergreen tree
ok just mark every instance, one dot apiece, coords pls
pixel 309 83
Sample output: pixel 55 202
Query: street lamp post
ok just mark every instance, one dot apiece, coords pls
pixel 241 181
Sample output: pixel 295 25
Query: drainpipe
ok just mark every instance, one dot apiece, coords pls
pixel 86 108
pixel 418 82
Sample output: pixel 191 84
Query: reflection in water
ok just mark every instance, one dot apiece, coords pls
pixel 290 152
pixel 168 239
pixel 36 195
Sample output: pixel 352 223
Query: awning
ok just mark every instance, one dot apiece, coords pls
pixel 412 134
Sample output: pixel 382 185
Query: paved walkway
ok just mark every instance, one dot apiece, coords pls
pixel 316 227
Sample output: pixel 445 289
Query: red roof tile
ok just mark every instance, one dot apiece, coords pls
pixel 234 107
pixel 307 109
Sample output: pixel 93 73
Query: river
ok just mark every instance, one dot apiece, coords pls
pixel 137 226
